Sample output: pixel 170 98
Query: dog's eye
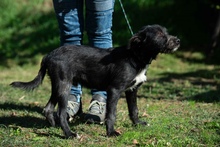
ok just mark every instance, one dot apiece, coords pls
pixel 160 34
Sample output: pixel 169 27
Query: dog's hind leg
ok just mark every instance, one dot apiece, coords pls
pixel 131 97
pixel 63 92
pixel 49 109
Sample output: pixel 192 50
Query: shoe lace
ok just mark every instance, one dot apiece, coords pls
pixel 97 107
pixel 72 108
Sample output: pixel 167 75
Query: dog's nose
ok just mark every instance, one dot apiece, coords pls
pixel 178 41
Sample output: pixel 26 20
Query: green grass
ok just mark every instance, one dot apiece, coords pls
pixel 180 101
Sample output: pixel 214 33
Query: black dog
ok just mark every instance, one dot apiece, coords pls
pixel 115 70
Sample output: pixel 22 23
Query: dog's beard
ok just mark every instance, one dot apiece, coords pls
pixel 172 45
pixel 176 48
pixel 166 51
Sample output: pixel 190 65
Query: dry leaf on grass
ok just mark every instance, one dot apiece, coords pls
pixel 135 142
pixel 145 115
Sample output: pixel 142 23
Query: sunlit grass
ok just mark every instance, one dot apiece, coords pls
pixel 181 106
pixel 180 100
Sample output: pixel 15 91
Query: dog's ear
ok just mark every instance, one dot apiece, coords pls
pixel 137 40
pixel 134 42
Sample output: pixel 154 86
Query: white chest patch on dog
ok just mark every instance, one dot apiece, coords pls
pixel 140 78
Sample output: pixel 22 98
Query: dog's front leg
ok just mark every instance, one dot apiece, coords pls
pixel 131 97
pixel 112 100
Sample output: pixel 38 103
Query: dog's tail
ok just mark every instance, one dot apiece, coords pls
pixel 36 81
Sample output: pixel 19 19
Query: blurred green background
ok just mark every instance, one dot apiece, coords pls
pixel 29 28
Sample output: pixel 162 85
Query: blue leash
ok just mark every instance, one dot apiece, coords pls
pixel 126 18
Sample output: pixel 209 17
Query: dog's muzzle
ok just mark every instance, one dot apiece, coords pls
pixel 172 45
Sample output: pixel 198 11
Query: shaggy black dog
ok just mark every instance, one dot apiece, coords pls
pixel 116 70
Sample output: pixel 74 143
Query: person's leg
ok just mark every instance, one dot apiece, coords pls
pixel 69 15
pixel 98 26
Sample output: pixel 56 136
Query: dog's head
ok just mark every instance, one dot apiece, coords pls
pixel 154 38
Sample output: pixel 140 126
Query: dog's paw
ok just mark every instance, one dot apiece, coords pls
pixel 52 122
pixel 73 136
pixel 114 134
pixel 142 123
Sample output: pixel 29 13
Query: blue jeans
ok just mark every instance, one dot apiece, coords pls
pixel 97 22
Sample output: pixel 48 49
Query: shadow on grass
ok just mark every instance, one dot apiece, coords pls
pixel 201 85
pixel 17 119
pixel 198 77
pixel 214 59
pixel 192 81
pixel 20 107
pixel 29 122
pixel 208 97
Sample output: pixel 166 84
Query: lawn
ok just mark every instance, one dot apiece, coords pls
pixel 180 101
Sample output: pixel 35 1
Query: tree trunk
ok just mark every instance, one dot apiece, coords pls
pixel 215 37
